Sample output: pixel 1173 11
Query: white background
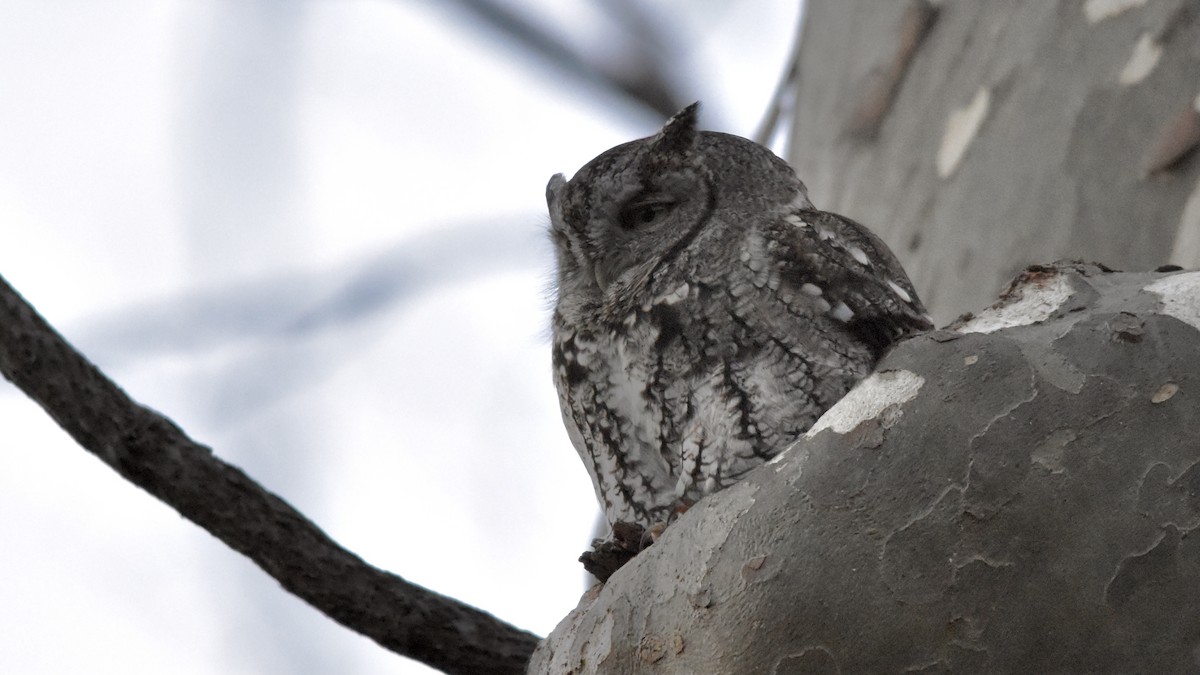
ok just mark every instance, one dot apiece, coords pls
pixel 312 234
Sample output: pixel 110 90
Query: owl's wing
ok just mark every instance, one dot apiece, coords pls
pixel 856 274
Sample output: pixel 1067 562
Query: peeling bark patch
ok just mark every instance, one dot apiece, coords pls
pixel 970 360
pixel 811 661
pixel 1054 368
pixel 1037 302
pixel 599 646
pixel 1168 501
pixel 1030 440
pixel 1098 10
pixel 867 400
pixel 1127 327
pixel 760 568
pixel 1164 393
pixel 1145 573
pixel 1049 453
pixel 961 128
pixel 1142 61
pixel 652 649
pixel 594 651
pixel 1180 297
pixel 701 599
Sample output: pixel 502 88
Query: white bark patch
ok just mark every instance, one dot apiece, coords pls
pixel 1049 453
pixel 1037 303
pixel 868 399
pixel 1165 393
pixel 1099 10
pixel 594 651
pixel 961 128
pixel 1185 252
pixel 1180 296
pixel 1142 61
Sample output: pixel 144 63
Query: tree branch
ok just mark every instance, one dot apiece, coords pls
pixel 1019 495
pixel 647 84
pixel 154 454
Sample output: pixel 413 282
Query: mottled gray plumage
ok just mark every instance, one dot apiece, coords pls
pixel 707 314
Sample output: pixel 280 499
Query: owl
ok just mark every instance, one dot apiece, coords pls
pixel 706 314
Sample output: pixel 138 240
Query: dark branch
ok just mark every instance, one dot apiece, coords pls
pixel 781 101
pixel 154 454
pixel 647 83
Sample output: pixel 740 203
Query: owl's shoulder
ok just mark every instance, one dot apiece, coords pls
pixel 826 254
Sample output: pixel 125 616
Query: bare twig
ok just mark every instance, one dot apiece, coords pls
pixel 647 84
pixel 781 99
pixel 154 454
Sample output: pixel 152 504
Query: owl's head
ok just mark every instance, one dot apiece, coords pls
pixel 635 207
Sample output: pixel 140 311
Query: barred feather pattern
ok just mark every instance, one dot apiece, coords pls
pixel 706 314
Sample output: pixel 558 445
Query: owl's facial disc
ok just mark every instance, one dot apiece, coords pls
pixel 575 253
pixel 628 207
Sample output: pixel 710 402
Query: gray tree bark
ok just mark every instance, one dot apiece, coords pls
pixel 1011 133
pixel 1015 494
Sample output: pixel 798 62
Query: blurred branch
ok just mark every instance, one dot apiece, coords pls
pixel 305 302
pixel 148 450
pixel 783 98
pixel 275 324
pixel 647 83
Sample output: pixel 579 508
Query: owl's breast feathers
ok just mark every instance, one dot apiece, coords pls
pixel 707 314
pixel 697 382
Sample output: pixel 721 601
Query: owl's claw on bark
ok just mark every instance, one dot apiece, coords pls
pixel 628 539
pixel 608 555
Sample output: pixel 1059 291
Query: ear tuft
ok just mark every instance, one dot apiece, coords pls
pixel 679 133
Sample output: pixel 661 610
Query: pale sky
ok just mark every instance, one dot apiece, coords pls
pixel 312 234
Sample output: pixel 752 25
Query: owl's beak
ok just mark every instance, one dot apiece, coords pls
pixel 554 201
pixel 554 189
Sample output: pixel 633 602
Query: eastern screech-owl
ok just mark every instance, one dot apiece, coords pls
pixel 707 314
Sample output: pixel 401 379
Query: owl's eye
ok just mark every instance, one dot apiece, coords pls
pixel 639 214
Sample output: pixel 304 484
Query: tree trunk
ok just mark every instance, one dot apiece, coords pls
pixel 1014 495
pixel 1010 133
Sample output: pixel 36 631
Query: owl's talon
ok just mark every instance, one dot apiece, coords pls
pixel 652 534
pixel 680 509
pixel 609 555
